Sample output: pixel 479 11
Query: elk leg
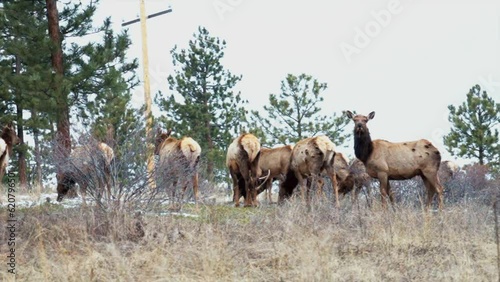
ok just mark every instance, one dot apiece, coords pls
pixel 195 188
pixel 302 185
pixel 389 192
pixel 430 192
pixel 107 180
pixel 269 186
pixel 433 187
pixel 236 189
pixel 335 186
pixel 319 189
pixel 248 199
pixel 382 177
pixel 309 182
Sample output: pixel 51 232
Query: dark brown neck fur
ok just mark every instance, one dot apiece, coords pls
pixel 363 146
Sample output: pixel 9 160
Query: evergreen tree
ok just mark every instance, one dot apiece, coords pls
pixel 294 114
pixel 474 131
pixel 203 105
pixel 23 28
pixel 91 74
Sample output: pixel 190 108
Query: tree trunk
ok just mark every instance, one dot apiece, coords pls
pixel 210 142
pixel 63 138
pixel 38 158
pixel 210 146
pixel 21 154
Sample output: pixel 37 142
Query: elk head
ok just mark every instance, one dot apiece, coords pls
pixel 9 134
pixel 160 137
pixel 64 184
pixel 360 122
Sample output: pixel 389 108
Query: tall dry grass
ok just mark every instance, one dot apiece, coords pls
pixel 111 241
pixel 270 243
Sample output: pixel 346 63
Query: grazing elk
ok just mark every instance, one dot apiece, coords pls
pixel 361 178
pixel 344 178
pixel 242 160
pixel 178 161
pixel 386 161
pixel 310 158
pixel 276 161
pixel 447 170
pixel 87 165
pixel 8 139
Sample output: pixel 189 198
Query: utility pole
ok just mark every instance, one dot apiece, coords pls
pixel 147 90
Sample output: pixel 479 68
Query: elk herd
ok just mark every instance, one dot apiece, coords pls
pixel 312 163
pixel 306 165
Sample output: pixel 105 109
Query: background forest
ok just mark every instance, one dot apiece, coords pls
pixel 71 86
pixel 65 79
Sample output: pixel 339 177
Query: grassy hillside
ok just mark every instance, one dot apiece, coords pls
pixel 270 243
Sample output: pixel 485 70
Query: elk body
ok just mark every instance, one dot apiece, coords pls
pixel 88 166
pixel 275 162
pixel 178 162
pixel 310 158
pixel 8 139
pixel 242 160
pixel 386 160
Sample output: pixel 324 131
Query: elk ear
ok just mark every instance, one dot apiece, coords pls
pixel 159 130
pixel 371 115
pixel 349 114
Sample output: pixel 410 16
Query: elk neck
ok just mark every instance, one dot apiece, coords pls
pixel 363 146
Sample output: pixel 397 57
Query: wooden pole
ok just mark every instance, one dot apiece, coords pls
pixel 147 95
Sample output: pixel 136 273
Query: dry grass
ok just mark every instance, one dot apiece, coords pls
pixel 270 243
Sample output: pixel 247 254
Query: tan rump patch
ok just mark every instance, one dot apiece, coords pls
pixel 251 145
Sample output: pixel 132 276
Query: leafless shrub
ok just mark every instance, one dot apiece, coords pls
pixel 132 189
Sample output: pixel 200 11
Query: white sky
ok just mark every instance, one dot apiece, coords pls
pixel 426 56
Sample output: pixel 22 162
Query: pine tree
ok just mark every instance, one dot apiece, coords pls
pixel 474 131
pixel 94 72
pixel 23 28
pixel 203 105
pixel 294 114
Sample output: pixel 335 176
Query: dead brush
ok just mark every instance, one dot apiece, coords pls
pixel 119 201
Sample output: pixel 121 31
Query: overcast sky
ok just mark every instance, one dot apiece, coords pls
pixel 407 60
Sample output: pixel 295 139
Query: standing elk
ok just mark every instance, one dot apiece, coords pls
pixel 310 158
pixel 88 165
pixel 276 161
pixel 242 160
pixel 178 162
pixel 8 139
pixel 386 160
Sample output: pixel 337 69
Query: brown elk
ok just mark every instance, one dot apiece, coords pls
pixel 310 158
pixel 361 178
pixel 447 170
pixel 342 171
pixel 8 139
pixel 386 161
pixel 242 160
pixel 87 165
pixel 276 162
pixel 178 161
